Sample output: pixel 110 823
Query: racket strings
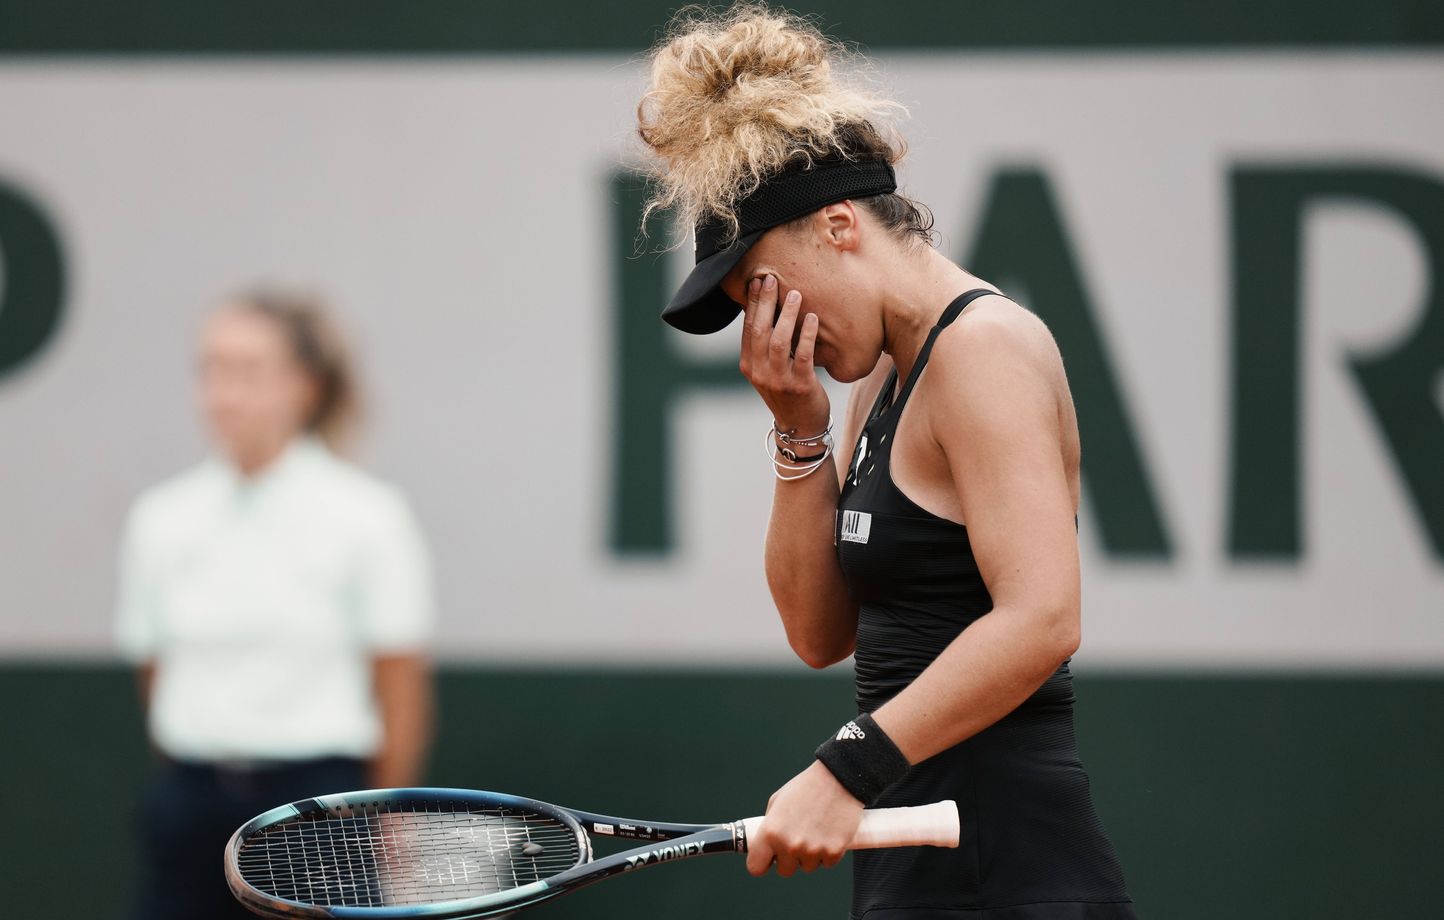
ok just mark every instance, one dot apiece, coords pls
pixel 407 853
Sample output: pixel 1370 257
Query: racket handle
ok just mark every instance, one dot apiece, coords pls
pixel 934 825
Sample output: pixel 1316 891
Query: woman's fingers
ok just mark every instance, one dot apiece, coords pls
pixel 807 825
pixel 806 343
pixel 749 310
pixel 759 855
pixel 786 864
pixel 760 327
pixel 779 346
pixel 789 856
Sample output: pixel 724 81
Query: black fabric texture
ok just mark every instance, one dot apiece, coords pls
pixel 863 758
pixel 1032 847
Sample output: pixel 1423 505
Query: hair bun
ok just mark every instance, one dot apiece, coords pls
pixel 735 97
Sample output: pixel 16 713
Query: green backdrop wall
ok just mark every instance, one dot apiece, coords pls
pixel 1238 797
pixel 468 26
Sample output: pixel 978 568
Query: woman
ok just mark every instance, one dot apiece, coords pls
pixel 943 556
pixel 276 600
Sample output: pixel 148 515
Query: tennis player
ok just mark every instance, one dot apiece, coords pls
pixel 941 550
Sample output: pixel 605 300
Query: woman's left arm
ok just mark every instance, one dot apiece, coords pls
pixel 396 615
pixel 996 403
pixel 405 700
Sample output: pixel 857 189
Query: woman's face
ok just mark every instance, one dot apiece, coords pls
pixel 253 393
pixel 821 259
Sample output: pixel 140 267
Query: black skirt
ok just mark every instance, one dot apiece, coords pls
pixel 1032 845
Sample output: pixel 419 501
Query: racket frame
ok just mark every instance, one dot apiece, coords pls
pixel 674 841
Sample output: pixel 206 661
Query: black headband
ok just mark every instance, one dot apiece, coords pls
pixel 699 306
pixel 795 193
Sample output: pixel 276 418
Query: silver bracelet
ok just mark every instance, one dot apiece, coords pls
pixel 772 450
pixel 786 437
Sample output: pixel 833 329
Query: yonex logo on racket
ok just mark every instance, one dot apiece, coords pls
pixel 662 854
pixel 851 732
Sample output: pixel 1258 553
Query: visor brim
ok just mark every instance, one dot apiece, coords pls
pixel 700 306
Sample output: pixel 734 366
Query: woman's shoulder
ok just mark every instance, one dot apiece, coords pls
pixel 353 491
pixel 997 361
pixel 995 330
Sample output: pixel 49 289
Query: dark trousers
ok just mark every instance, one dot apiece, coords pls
pixel 189 812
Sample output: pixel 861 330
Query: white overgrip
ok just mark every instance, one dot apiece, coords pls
pixel 934 825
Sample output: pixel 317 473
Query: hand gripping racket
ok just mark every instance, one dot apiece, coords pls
pixel 456 853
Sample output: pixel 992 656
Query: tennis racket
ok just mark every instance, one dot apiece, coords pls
pixel 458 853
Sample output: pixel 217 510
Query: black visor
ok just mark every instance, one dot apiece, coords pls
pixel 700 306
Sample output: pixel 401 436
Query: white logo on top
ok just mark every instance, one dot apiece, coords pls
pixel 856 526
pixel 857 459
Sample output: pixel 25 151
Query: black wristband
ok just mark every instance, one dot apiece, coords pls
pixel 863 758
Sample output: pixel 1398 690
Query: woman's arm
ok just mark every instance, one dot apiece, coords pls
pixel 994 391
pixel 803 574
pixel 405 698
pixel 995 409
pixel 145 683
pixel 802 570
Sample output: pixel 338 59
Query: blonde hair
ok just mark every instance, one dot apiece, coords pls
pixel 317 345
pixel 737 96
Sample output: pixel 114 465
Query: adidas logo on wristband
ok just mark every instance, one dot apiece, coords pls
pixel 863 758
pixel 851 732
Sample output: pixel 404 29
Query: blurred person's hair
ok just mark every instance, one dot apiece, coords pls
pixel 320 348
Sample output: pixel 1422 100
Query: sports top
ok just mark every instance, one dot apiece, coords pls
pixel 1032 845
pixel 263 600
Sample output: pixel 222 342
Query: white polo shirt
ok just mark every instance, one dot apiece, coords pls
pixel 262 602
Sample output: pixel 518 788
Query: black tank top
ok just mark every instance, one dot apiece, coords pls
pixel 1032 844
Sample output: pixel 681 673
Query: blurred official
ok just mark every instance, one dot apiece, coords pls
pixel 276 600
